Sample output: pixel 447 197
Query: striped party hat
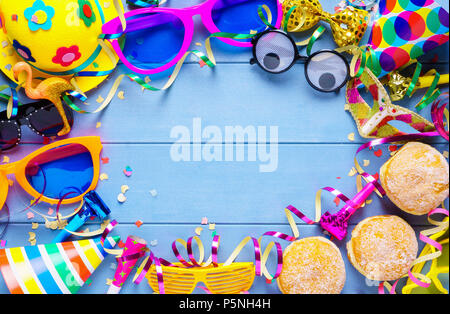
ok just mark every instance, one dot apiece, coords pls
pixel 56 268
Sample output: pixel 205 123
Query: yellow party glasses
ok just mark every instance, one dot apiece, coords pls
pixel 178 279
pixel 61 172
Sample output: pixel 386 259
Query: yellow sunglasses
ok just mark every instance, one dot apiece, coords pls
pixel 230 279
pixel 61 172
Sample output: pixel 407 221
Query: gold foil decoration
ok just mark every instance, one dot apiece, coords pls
pixel 348 26
pixel 399 84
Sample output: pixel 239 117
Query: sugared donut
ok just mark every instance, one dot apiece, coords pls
pixel 382 247
pixel 312 266
pixel 416 178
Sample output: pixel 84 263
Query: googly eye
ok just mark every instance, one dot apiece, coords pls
pixel 327 71
pixel 275 52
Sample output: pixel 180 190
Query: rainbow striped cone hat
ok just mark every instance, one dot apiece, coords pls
pixel 56 268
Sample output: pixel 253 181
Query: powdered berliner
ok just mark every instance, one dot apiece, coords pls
pixel 416 178
pixel 312 266
pixel 382 247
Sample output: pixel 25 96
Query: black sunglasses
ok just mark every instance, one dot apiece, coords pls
pixel 276 52
pixel 42 117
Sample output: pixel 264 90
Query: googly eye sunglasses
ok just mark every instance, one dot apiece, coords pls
pixel 276 52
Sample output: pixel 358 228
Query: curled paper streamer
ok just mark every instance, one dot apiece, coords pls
pixel 134 249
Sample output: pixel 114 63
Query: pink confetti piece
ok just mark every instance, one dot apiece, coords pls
pixel 204 221
pixel 30 215
pixel 3 244
pixel 50 211
pixel 138 223
pixel 202 63
pixel 378 152
pixel 105 160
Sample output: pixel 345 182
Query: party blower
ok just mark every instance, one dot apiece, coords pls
pixel 93 207
pixel 336 224
pixel 133 250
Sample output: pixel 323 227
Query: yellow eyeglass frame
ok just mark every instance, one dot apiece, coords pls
pixel 91 143
pixel 231 279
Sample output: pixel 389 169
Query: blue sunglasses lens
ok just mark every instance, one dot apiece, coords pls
pixel 66 170
pixel 241 16
pixel 153 40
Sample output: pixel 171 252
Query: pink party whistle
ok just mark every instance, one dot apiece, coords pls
pixel 336 224
pixel 133 250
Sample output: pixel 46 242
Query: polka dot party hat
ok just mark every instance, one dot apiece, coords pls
pixel 407 29
pixel 57 38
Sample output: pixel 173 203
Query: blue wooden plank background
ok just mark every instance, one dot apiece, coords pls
pixel 313 152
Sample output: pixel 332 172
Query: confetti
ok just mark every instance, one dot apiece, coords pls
pixel 147 79
pixel 204 221
pixel 32 238
pixel 103 176
pixel 3 244
pixel 50 211
pixel 202 63
pixel 121 198
pixel 104 224
pixel 338 178
pixel 351 136
pixel 378 153
pixel 121 244
pixel 100 99
pixel 113 266
pixel 445 153
pixel 109 281
pixel 154 242
pixel 366 162
pixel 30 215
pixel 106 5
pixel 124 188
pixel 369 201
pixel 352 172
pixel 153 193
pixel 34 225
pixel 138 223
pixel 5 159
pixel 99 124
pixel 198 230
pixel 120 95
pixel 105 160
pixel 337 201
pixel 212 226
pixel 392 148
pixel 198 44
pixel 252 32
pixel 46 140
pixel 128 171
